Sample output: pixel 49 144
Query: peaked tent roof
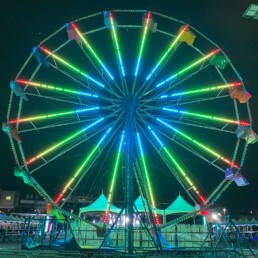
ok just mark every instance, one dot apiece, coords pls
pixel 100 205
pixel 245 221
pixel 140 206
pixel 178 206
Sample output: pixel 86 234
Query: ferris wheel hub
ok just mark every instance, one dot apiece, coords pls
pixel 130 103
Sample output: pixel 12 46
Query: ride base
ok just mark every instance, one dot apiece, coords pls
pixel 71 238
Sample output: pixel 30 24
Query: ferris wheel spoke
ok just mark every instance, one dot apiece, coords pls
pixel 82 167
pixel 188 122
pixel 59 144
pixel 162 93
pixel 148 109
pixel 195 123
pixel 186 101
pixel 182 182
pixel 56 88
pixel 114 177
pixel 97 91
pixel 92 51
pixel 149 209
pixel 147 19
pixel 112 101
pixel 97 59
pixel 161 62
pixel 175 83
pixel 144 36
pixel 113 28
pixel 205 116
pixel 70 146
pixel 204 90
pixel 55 125
pixel 89 161
pixel 181 120
pixel 179 102
pixel 176 163
pixel 111 86
pixel 198 143
pixel 65 93
pixel 146 176
pixel 52 115
pixel 189 148
pixel 182 177
pixel 72 67
pixel 64 100
pixel 186 69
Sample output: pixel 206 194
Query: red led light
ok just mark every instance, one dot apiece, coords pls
pixel 29 161
pixel 215 51
pixel 205 212
pixel 244 123
pixel 45 50
pixel 105 218
pixel 22 81
pixel 203 200
pixel 73 25
pixel 58 198
pixel 185 27
pixel 236 84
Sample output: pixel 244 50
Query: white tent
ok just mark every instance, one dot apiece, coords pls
pixel 180 205
pixel 141 207
pixel 99 205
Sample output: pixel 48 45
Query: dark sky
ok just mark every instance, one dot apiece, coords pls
pixel 24 24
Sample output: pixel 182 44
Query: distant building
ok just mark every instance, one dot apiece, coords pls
pixel 14 201
pixel 32 203
pixel 9 200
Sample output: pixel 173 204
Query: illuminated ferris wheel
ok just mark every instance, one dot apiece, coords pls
pixel 125 100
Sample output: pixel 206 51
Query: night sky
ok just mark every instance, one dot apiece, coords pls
pixel 24 24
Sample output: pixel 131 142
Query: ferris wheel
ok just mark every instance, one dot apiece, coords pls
pixel 129 100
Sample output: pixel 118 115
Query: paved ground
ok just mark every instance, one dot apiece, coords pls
pixel 17 246
pixel 10 245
